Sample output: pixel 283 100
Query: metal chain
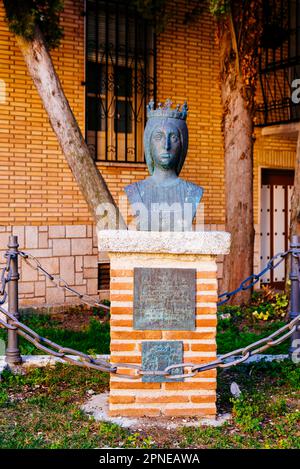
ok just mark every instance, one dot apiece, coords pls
pixel 250 281
pixel 35 264
pixel 5 277
pixel 85 360
pixel 81 359
pixel 56 350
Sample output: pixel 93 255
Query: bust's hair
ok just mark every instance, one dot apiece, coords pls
pixel 153 124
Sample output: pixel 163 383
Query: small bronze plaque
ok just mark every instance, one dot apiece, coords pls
pixel 164 299
pixel 156 356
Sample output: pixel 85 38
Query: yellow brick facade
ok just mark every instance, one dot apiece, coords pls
pixel 37 187
pixel 36 184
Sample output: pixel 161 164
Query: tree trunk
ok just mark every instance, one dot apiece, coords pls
pixel 295 201
pixel 295 213
pixel 69 136
pixel 238 104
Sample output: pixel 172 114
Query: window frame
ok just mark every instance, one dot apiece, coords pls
pixel 125 147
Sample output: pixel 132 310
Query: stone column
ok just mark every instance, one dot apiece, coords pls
pixel 163 312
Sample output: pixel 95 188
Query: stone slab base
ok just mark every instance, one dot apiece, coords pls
pixel 98 407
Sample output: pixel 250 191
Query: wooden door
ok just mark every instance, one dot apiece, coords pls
pixel 276 190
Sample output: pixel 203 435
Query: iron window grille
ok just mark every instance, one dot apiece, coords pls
pixel 279 63
pixel 103 275
pixel 120 80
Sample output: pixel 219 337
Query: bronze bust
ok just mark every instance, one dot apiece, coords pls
pixel 163 201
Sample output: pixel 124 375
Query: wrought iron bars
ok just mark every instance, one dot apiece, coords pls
pixel 120 79
pixel 279 63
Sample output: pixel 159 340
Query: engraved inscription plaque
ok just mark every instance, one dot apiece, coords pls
pixel 164 299
pixel 156 356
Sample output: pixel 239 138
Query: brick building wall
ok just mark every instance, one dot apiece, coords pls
pixel 37 187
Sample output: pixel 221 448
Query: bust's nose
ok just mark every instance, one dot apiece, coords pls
pixel 168 141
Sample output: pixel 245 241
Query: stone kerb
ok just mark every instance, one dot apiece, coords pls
pixel 133 254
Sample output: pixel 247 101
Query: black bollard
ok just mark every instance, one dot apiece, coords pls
pixel 295 291
pixel 13 356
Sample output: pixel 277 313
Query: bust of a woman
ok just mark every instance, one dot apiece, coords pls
pixel 164 201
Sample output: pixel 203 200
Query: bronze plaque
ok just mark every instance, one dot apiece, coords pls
pixel 164 299
pixel 156 356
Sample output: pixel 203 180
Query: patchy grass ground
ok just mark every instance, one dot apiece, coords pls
pixel 42 410
pixel 84 331
pixel 232 336
pixel 88 331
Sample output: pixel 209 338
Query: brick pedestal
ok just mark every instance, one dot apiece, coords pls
pixel 190 250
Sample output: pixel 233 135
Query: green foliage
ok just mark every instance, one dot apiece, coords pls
pixel 136 440
pixel 219 8
pixel 149 9
pixel 42 410
pixel 100 312
pixel 23 16
pixel 154 12
pixel 94 339
pixel 238 327
pixel 3 397
pixel 250 411
pixel 268 304
pixel 234 337
pixel 110 432
pixel 246 412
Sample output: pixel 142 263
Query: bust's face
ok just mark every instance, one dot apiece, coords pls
pixel 165 146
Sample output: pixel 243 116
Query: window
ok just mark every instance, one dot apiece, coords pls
pixel 279 63
pixel 120 80
pixel 103 275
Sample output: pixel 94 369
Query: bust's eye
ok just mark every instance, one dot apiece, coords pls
pixel 158 135
pixel 174 138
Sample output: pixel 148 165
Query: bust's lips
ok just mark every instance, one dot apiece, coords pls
pixel 165 155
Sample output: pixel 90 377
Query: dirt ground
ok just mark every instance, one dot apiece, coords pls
pixel 76 318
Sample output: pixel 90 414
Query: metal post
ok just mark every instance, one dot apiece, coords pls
pixel 295 291
pixel 13 356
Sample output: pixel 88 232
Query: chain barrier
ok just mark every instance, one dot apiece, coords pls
pixel 78 358
pixel 254 278
pixel 5 277
pixel 86 360
pixel 35 264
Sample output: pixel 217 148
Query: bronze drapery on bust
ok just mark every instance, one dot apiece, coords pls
pixel 164 201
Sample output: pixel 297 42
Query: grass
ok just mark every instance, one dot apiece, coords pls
pixel 42 410
pixel 231 336
pixel 94 336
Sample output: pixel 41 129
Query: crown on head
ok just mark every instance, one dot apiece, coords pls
pixel 166 110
